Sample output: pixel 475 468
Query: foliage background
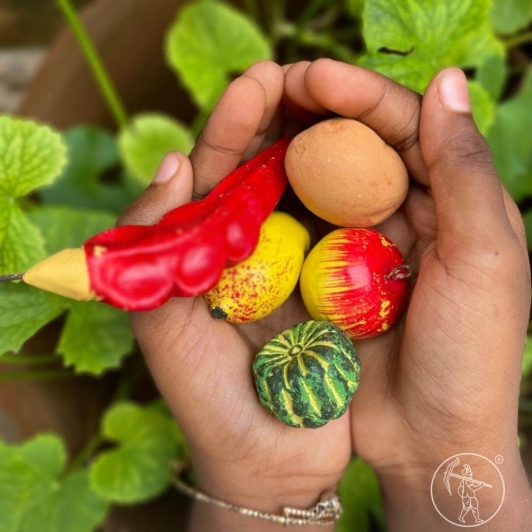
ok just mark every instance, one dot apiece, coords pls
pixel 57 189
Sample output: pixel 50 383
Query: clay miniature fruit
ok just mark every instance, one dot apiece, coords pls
pixel 306 376
pixel 255 287
pixel 346 174
pixel 357 279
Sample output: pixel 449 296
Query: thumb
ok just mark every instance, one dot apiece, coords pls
pixel 171 187
pixel 468 195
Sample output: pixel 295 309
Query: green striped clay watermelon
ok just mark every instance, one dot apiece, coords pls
pixel 306 376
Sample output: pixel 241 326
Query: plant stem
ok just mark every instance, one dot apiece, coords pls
pixel 276 13
pixel 518 40
pixel 310 10
pixel 29 359
pixel 122 391
pixel 316 40
pixel 35 375
pixel 95 63
pixel 86 453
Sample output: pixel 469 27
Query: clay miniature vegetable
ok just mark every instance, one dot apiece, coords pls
pixel 346 174
pixel 357 279
pixel 254 288
pixel 184 254
pixel 306 376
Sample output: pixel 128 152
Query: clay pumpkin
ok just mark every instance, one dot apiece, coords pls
pixel 306 376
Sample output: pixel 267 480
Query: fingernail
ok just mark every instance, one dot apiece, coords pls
pixel 453 91
pixel 168 167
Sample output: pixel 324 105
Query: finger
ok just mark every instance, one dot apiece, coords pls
pixel 227 133
pixel 296 97
pixel 271 76
pixel 276 127
pixel 468 195
pixel 238 125
pixel 170 188
pixel 385 106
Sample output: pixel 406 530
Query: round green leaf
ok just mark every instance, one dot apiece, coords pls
pixel 411 41
pixel 208 42
pixel 148 139
pixel 31 155
pixel 483 106
pixel 139 468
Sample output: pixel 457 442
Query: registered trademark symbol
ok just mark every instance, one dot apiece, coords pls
pixel 499 459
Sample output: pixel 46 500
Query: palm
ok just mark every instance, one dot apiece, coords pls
pixel 243 428
pixel 377 411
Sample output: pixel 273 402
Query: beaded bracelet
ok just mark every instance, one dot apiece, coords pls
pixel 326 512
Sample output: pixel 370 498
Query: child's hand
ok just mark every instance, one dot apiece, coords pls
pixel 446 379
pixel 241 453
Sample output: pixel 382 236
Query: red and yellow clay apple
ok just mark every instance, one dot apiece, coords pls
pixel 357 279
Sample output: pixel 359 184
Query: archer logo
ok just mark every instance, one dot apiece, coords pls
pixel 467 489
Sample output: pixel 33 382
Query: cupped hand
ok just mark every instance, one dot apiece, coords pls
pixel 241 453
pixel 445 380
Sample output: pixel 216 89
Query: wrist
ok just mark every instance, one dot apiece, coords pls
pixel 254 487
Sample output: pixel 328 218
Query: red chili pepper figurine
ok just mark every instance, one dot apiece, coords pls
pixel 137 267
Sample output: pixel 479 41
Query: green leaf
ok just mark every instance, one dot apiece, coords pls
pixel 65 227
pixel 31 155
pixel 208 42
pixel 91 153
pixel 483 106
pixel 492 75
pixel 509 139
pixel 526 367
pixel 33 496
pixel 95 337
pixel 148 139
pixel 509 16
pixel 139 468
pixel 70 507
pixel 361 498
pixel 21 244
pixel 23 311
pixel 411 41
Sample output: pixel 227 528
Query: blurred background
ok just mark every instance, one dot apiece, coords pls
pixel 67 377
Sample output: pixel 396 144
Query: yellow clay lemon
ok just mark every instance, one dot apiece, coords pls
pixel 254 288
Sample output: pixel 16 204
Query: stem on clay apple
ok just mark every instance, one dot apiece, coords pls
pixel 95 63
pixel 400 272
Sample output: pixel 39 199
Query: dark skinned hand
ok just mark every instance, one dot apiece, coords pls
pixel 445 380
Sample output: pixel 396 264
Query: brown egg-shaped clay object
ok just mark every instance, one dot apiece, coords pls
pixel 346 174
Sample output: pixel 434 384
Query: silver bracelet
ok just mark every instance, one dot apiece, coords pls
pixel 326 512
